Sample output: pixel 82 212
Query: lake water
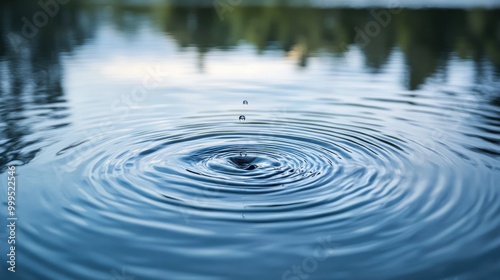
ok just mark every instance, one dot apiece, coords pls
pixel 369 149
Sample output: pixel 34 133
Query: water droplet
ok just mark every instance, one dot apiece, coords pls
pixel 245 102
pixel 243 154
pixel 242 118
pixel 243 216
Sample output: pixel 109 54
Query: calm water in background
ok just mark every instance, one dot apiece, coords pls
pixel 386 156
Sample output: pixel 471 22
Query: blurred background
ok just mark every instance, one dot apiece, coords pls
pixel 424 41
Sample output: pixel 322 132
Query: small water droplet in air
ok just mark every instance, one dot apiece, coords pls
pixel 242 118
pixel 245 102
pixel 243 154
pixel 243 216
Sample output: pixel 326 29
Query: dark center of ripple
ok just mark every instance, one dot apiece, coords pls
pixel 241 163
pixel 264 164
pixel 244 162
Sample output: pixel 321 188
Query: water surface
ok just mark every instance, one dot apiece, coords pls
pixel 124 123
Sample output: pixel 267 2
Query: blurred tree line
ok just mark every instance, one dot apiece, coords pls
pixel 426 37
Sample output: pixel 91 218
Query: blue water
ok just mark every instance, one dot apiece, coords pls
pixel 353 162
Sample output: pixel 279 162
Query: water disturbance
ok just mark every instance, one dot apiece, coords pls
pixel 386 158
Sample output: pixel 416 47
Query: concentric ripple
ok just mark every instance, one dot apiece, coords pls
pixel 257 166
pixel 349 176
